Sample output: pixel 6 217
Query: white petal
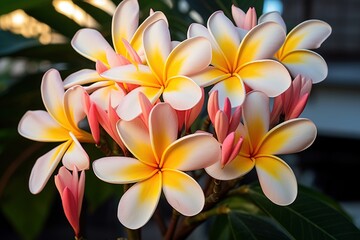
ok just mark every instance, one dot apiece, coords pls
pixel 45 166
pixel 138 204
pixel 124 23
pixel 95 49
pixel 277 180
pixel 40 126
pixel 183 193
pixel 273 17
pixel 76 155
pixel 122 170
pixel 82 77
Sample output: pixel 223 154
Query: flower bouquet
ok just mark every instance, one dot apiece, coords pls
pixel 184 122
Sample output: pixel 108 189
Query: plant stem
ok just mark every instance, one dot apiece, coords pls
pixel 160 222
pixel 172 225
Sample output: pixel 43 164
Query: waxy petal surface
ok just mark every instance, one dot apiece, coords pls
pixel 291 136
pixel 95 49
pixel 76 155
pixel 82 77
pixel 157 46
pixel 256 116
pixel 182 93
pixel 192 152
pixel 40 126
pixel 218 57
pixel 307 63
pixel 226 35
pixel 232 88
pixel 45 166
pixel 307 35
pixel 189 57
pixel 139 75
pixel 122 170
pixel 277 180
pixel 162 132
pixel 136 138
pixel 209 76
pixel 129 107
pixel 273 17
pixel 267 76
pixel 124 23
pixel 74 107
pixel 261 42
pixel 138 204
pixel 182 192
pixel 52 92
pixel 236 168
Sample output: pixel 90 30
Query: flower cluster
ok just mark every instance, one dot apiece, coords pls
pixel 147 90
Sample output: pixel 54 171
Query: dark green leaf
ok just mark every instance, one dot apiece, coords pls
pixel 11 5
pixel 237 225
pixel 311 216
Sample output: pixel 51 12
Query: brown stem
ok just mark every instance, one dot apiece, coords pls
pixel 172 225
pixel 160 222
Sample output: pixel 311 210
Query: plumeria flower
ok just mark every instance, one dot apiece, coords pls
pixel 238 60
pixel 158 164
pixel 127 40
pixel 292 102
pixel 260 146
pixel 295 53
pixel 71 189
pixel 59 124
pixel 167 73
pixel 243 20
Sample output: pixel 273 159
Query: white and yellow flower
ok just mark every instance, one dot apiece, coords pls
pixel 261 144
pixel 295 53
pixel 58 124
pixel 159 165
pixel 168 73
pixel 239 60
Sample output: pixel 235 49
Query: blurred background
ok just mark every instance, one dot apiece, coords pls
pixel 35 36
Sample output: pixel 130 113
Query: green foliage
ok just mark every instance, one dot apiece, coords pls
pixel 311 216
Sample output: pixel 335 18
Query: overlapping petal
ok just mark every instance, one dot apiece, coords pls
pixel 261 42
pixel 73 105
pixel 129 107
pixel 182 192
pixel 124 23
pixel 139 75
pixel 136 138
pixel 209 76
pixel 122 170
pixel 236 168
pixel 273 17
pixel 157 46
pixel 307 35
pixel 182 93
pixel 306 63
pixel 256 116
pixel 232 88
pixel 76 155
pixel 52 92
pixel 291 136
pixel 96 49
pixel 82 77
pixel 162 133
pixel 40 126
pixel 189 57
pixel 226 35
pixel 192 152
pixel 45 166
pixel 267 76
pixel 218 57
pixel 277 180
pixel 139 202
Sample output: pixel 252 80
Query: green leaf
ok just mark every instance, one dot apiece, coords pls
pixel 26 212
pixel 238 225
pixel 11 5
pixel 311 216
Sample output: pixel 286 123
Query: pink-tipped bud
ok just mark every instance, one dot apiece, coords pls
pixel 91 113
pixel 221 126
pixel 133 55
pixel 213 105
pixel 230 149
pixel 71 189
pixel 146 107
pixel 250 19
pixel 100 67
